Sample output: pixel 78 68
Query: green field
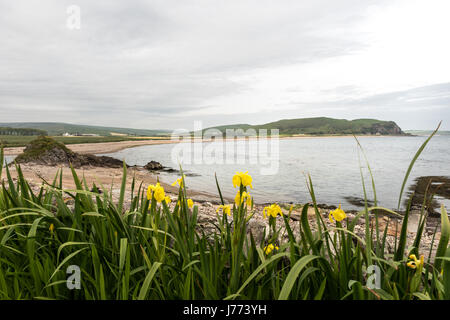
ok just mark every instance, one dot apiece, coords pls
pixel 58 129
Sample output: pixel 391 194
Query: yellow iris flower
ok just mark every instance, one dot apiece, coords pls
pixel 269 248
pixel 415 263
pixel 225 209
pixel 240 199
pixel 337 214
pixel 157 191
pixel 190 203
pixel 242 178
pixel 150 190
pixel 167 199
pixel 272 210
pixel 179 181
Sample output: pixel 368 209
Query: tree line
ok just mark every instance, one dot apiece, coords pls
pixel 7 131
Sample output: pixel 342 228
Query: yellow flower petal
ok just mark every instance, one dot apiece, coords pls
pixel 236 180
pixel 179 181
pixel 330 217
pixel 225 209
pixel 273 210
pixel 242 178
pixel 159 193
pixel 150 191
pixel 269 248
pixel 337 214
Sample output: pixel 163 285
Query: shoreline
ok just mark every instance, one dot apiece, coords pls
pixel 111 147
pixel 109 179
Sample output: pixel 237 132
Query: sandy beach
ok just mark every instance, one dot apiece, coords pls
pixel 109 178
pixel 101 147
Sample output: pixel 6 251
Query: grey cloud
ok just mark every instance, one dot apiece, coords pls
pixel 416 108
pixel 133 61
pixel 437 95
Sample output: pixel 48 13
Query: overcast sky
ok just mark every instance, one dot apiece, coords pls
pixel 163 64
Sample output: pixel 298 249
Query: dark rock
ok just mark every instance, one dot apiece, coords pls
pixel 190 174
pixel 429 189
pixel 96 161
pixel 358 202
pixel 325 206
pixel 96 190
pixel 154 166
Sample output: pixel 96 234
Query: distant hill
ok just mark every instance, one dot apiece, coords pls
pixel 324 126
pixel 57 129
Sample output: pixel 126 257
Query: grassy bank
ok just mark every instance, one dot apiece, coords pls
pixel 150 251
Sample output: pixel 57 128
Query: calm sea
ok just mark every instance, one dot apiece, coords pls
pixel 332 163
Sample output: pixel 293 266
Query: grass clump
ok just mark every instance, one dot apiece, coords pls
pixel 151 250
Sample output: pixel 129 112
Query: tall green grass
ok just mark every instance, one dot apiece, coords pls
pixel 150 251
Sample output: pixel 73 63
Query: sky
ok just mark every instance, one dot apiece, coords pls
pixel 163 64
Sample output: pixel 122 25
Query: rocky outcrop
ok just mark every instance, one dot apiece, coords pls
pixel 46 151
pixel 154 166
pixel 386 128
